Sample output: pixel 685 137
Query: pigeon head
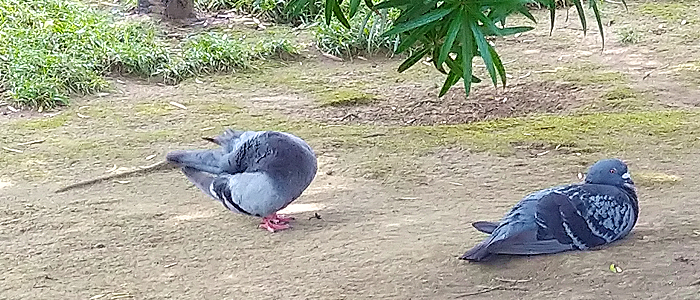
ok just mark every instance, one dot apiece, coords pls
pixel 611 172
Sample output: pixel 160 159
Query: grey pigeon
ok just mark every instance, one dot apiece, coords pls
pixel 598 211
pixel 255 173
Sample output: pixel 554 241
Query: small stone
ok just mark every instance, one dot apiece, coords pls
pixel 99 245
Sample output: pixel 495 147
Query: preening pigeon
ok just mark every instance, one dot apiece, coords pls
pixel 252 173
pixel 598 211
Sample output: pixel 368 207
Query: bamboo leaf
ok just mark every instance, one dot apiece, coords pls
pixel 467 53
pixel 339 14
pixel 391 3
pixel 483 47
pixel 581 15
pixel 450 39
pixel 425 19
pixel 526 12
pixel 354 4
pixel 596 11
pixel 436 53
pixel 498 64
pixel 413 59
pixel 411 39
pixel 450 81
pixel 329 11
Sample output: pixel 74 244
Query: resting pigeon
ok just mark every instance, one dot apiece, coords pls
pixel 253 173
pixel 598 211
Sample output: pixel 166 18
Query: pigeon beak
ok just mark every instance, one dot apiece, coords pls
pixel 628 181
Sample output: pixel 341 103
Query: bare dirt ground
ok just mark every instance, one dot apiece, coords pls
pixel 395 199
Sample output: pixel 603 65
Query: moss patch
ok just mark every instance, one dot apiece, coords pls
pixel 345 97
pixel 654 178
pixel 668 11
pixel 586 73
pixel 43 123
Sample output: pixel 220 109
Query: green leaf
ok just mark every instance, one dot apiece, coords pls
pixel 425 19
pixel 499 65
pixel 467 54
pixel 484 51
pixel 369 4
pixel 339 14
pixel 596 11
pixel 329 11
pixel 506 31
pixel 581 15
pixel 392 3
pixel 354 4
pixel 415 10
pixel 411 39
pixel 413 59
pixel 436 53
pixel 451 79
pixel 295 6
pixel 450 39
pixel 526 12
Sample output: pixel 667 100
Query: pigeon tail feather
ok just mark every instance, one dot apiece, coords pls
pixel 202 160
pixel 200 179
pixel 485 226
pixel 480 252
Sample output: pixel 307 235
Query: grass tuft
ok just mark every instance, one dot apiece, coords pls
pixel 50 49
pixel 364 36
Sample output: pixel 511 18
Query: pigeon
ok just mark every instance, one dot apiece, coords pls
pixel 255 173
pixel 596 212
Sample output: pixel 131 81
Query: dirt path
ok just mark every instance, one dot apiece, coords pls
pixel 395 201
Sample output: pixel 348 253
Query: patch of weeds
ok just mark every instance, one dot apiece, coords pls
pixel 43 123
pixel 50 49
pixel 363 37
pixel 275 10
pixel 629 35
pixel 582 133
pixel 278 47
pixel 221 108
pixel 667 11
pixel 153 109
pixel 654 178
pixel 211 52
pixel 621 98
pixel 586 73
pixel 345 97
pixel 688 71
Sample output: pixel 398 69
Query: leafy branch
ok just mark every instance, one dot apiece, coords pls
pixel 453 32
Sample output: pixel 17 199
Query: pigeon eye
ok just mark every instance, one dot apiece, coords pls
pixel 612 171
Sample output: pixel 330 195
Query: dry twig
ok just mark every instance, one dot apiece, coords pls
pixel 491 289
pixel 161 165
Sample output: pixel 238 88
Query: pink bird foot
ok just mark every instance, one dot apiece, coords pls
pixel 280 219
pixel 275 222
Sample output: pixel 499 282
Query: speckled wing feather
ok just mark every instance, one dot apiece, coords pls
pixel 558 219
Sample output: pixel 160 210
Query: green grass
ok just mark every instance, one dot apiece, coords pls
pixel 629 35
pixel 345 97
pixel 586 74
pixel 274 10
pixel 51 49
pixel 74 139
pixel 668 11
pixel 363 38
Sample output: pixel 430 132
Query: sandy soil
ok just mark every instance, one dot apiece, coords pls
pixel 393 233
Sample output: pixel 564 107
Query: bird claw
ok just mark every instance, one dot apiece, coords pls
pixel 272 227
pixel 276 222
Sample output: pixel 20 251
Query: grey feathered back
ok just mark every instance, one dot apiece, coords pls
pixel 256 173
pixel 599 211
